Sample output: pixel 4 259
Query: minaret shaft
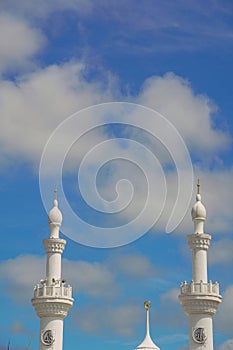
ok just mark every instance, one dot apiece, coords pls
pixel 199 244
pixel 53 267
pixel 54 248
pixel 205 322
pixel 199 266
pixel 56 326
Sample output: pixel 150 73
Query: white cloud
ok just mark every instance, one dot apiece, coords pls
pixel 93 279
pixel 171 313
pixel 133 266
pixel 171 295
pixel 20 275
pixel 34 105
pixel 121 320
pixel 18 43
pixel 191 113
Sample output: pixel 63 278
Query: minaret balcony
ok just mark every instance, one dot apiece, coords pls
pixel 200 297
pixel 200 288
pixel 53 291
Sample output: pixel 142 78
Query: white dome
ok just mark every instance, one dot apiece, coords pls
pixel 198 210
pixel 55 216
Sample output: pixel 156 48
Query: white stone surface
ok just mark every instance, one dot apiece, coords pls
pixel 147 342
pixel 200 298
pixel 52 298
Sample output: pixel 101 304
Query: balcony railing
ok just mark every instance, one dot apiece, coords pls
pixel 53 291
pixel 199 288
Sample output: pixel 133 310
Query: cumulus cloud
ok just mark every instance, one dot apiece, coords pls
pixel 174 98
pixel 98 284
pixel 133 266
pixel 219 217
pixel 34 105
pixel 19 42
pixel 18 284
pixel 171 312
pixel 121 320
pixel 171 295
pixel 94 279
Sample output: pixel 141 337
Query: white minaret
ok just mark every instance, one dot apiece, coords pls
pixel 147 342
pixel 200 298
pixel 52 299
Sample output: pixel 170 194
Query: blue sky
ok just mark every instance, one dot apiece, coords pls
pixel 58 58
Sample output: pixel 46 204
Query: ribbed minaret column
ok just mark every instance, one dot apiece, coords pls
pixel 200 298
pixel 52 298
pixel 147 342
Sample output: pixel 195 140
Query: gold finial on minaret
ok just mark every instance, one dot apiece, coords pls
pixel 198 186
pixel 147 304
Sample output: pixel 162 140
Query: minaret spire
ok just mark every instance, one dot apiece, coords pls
pixel 198 212
pixel 200 298
pixel 198 186
pixel 147 307
pixel 52 299
pixel 147 342
pixel 55 217
pixel 55 193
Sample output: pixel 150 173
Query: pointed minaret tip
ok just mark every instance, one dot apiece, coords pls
pixel 55 202
pixel 147 342
pixel 198 212
pixel 55 217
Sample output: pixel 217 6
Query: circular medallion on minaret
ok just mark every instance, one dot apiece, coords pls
pixel 47 337
pixel 199 335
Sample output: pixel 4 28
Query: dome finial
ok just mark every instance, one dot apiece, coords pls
pixel 55 217
pixel 198 212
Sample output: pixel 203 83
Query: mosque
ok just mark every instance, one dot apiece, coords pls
pixel 200 298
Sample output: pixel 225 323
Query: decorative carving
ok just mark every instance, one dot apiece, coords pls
pixel 199 335
pixel 200 304
pixel 54 245
pixel 199 241
pixel 47 337
pixel 44 307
